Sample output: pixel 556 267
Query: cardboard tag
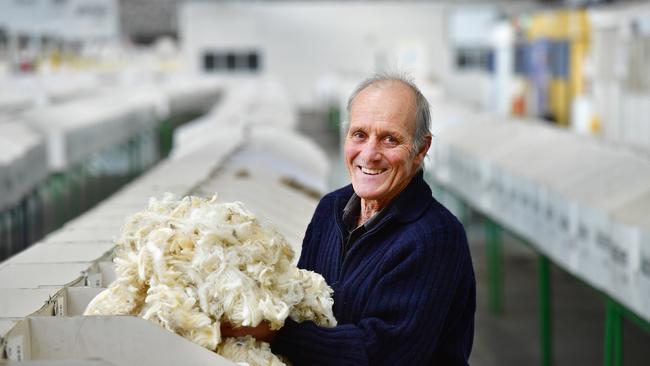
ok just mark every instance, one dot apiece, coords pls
pixel 15 348
pixel 60 306
pixel 94 280
pixel 645 266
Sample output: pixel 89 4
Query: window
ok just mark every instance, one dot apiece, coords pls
pixel 253 61
pixel 208 61
pixel 468 58
pixel 231 61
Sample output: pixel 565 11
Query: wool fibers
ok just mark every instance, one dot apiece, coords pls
pixel 190 264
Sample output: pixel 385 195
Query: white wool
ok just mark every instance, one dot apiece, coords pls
pixel 190 264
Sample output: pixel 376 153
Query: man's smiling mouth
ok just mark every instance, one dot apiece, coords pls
pixel 369 171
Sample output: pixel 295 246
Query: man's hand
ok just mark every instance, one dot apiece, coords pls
pixel 262 332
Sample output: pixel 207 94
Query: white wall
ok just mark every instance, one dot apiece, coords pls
pixel 300 42
pixel 469 25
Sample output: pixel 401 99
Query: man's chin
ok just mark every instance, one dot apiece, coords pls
pixel 367 193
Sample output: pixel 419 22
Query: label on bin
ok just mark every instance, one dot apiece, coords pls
pixel 60 306
pixel 94 280
pixel 645 267
pixel 15 348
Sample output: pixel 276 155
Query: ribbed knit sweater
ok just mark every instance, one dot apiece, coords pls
pixel 403 295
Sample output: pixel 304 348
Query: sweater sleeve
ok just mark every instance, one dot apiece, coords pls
pixel 405 315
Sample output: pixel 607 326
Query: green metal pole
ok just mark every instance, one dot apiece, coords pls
pixel 58 200
pixel 85 187
pixel 21 223
pixel 94 181
pixel 613 333
pixel 334 119
pixel 40 196
pixel 608 333
pixel 81 194
pixel 33 217
pixel 166 133
pixel 16 243
pixel 545 311
pixel 66 187
pixel 5 235
pixel 75 192
pixel 493 247
pixel 47 205
pixel 617 333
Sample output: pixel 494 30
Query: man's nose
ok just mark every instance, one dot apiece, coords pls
pixel 370 151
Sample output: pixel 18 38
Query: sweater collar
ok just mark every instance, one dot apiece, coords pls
pixel 408 205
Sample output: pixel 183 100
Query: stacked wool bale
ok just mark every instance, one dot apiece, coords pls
pixel 191 264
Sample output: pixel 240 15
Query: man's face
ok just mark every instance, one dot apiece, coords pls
pixel 379 141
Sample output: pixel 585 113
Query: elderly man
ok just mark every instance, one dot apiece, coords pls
pixel 397 260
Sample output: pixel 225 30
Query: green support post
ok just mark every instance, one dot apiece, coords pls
pixel 85 184
pixel 95 181
pixel 76 189
pixel 607 356
pixel 5 235
pixel 613 334
pixel 75 192
pixel 40 199
pixel 21 225
pixel 545 311
pixel 334 119
pixel 15 230
pixel 44 209
pixel 493 246
pixel 166 135
pixel 16 223
pixel 31 205
pixel 58 200
pixel 618 336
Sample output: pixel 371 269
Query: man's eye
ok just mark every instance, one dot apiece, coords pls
pixel 358 134
pixel 390 140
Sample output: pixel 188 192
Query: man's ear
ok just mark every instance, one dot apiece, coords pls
pixel 419 157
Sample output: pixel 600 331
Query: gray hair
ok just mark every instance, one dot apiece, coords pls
pixel 422 113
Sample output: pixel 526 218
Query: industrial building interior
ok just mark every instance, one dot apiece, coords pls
pixel 112 110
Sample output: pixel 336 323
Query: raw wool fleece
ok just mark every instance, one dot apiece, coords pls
pixel 190 264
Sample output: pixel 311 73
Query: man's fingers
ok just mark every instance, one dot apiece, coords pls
pixel 260 332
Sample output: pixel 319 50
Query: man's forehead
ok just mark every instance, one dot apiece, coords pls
pixel 389 100
pixel 376 125
pixel 386 92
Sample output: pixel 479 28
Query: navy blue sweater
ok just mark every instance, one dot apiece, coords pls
pixel 403 295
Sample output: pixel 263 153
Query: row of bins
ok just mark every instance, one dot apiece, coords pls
pixel 59 160
pixel 580 203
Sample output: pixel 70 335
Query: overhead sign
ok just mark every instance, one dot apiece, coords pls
pixel 69 19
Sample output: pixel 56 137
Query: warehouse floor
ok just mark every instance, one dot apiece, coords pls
pixel 511 338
